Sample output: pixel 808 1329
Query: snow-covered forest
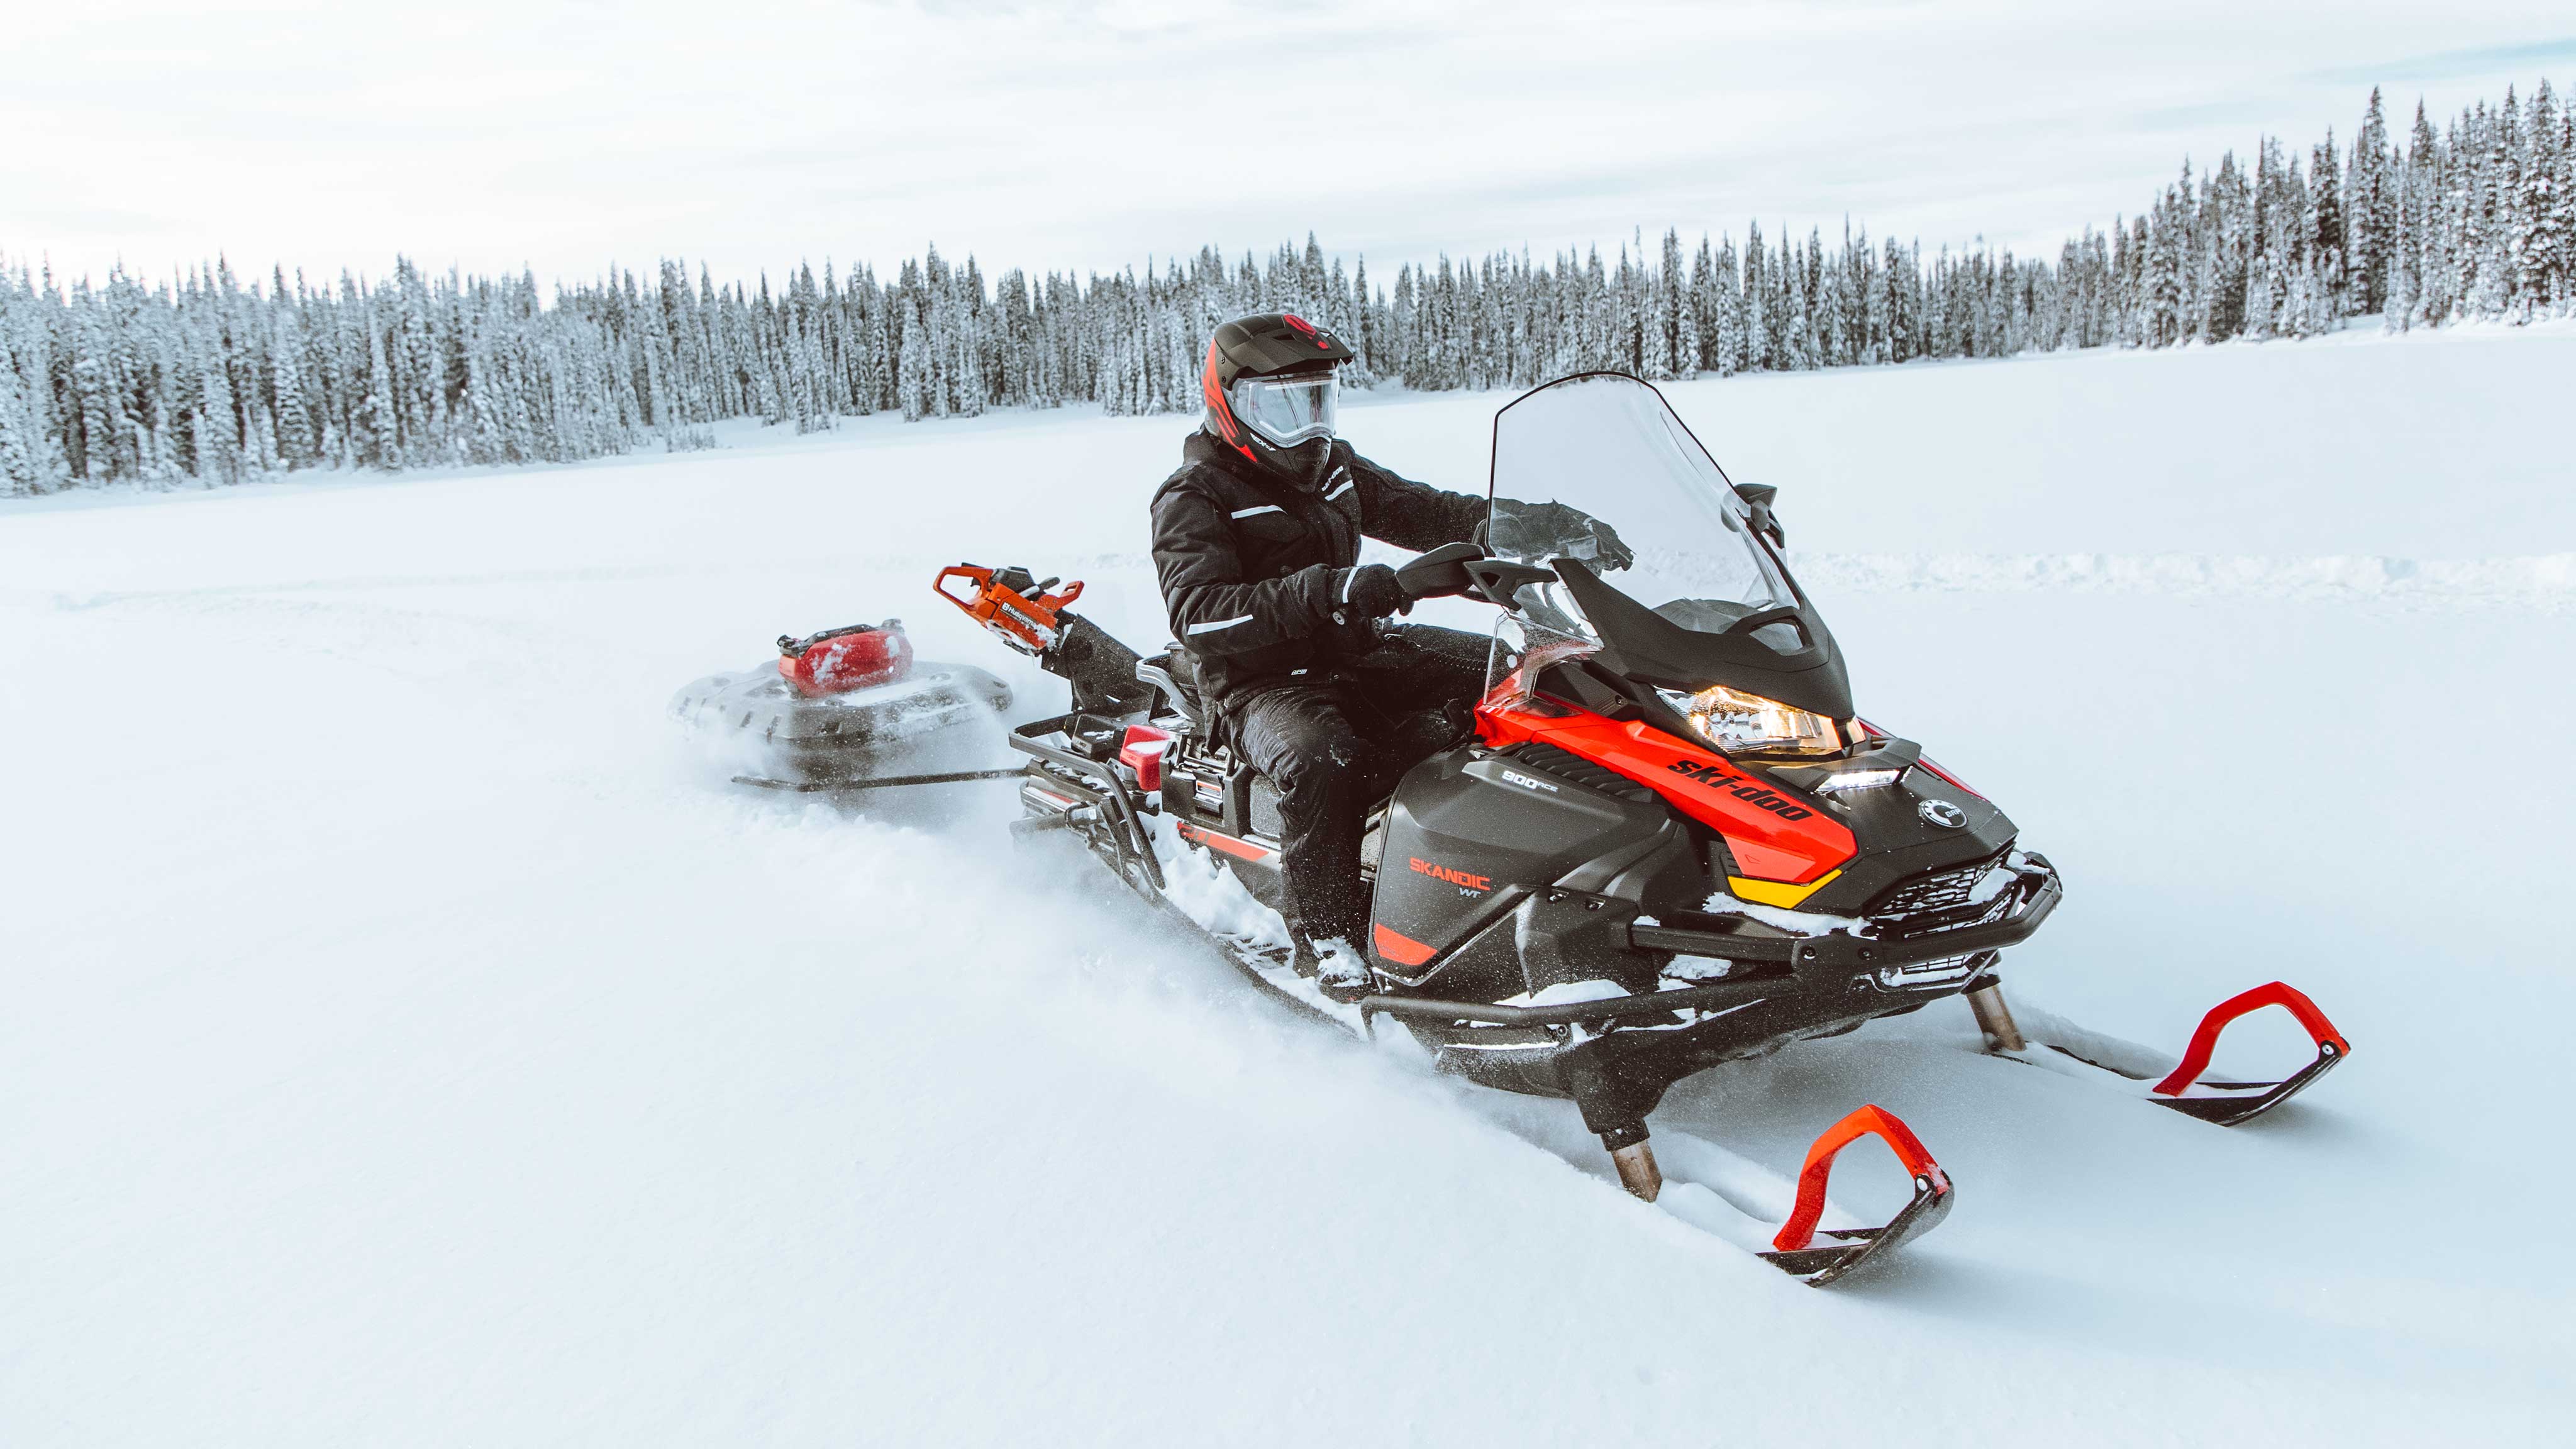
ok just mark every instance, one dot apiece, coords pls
pixel 209 378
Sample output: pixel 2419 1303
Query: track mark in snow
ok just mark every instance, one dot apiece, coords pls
pixel 1707 1185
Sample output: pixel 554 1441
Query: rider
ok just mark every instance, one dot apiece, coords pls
pixel 1256 543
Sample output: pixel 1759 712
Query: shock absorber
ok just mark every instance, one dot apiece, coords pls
pixel 1995 1019
pixel 1637 1170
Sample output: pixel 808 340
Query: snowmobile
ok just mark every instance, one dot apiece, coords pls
pixel 1669 841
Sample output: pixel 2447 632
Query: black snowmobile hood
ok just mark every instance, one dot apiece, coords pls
pixel 1652 649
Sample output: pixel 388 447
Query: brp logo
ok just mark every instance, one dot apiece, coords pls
pixel 1942 814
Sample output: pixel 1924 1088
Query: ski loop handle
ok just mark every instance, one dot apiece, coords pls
pixel 1869 1121
pixel 2204 1040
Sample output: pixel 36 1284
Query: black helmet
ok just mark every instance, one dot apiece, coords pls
pixel 1269 385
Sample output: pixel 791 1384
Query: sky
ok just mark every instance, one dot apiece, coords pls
pixel 566 137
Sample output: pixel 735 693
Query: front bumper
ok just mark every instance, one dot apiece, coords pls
pixel 1616 1056
pixel 1775 962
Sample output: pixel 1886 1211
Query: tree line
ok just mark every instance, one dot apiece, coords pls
pixel 207 379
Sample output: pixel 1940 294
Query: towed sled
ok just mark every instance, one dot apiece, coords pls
pixel 1669 840
pixel 838 710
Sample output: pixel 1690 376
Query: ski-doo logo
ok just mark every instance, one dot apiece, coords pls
pixel 1460 878
pixel 1718 777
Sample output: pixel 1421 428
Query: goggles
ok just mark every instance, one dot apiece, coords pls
pixel 1286 410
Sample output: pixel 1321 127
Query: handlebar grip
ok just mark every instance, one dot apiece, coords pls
pixel 1433 583
pixel 1442 571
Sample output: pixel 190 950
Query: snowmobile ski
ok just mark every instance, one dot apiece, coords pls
pixel 1796 1250
pixel 2226 1102
pixel 2184 1087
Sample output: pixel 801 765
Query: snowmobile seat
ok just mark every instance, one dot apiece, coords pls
pixel 1159 672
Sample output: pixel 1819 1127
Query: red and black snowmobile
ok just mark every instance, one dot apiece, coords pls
pixel 1669 842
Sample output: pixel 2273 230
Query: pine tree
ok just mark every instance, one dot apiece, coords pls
pixel 31 460
pixel 2370 197
pixel 2326 238
pixel 2532 239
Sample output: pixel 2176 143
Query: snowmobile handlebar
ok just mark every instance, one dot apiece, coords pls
pixel 1441 572
pixel 1463 568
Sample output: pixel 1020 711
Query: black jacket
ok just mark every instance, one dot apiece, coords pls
pixel 1249 558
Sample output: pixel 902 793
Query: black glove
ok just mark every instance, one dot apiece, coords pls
pixel 1369 591
pixel 1555 530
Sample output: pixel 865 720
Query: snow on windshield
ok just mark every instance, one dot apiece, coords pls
pixel 1608 446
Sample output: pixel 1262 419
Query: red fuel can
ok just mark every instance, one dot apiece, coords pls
pixel 837 661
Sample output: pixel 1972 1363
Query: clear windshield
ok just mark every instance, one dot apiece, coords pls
pixel 1598 468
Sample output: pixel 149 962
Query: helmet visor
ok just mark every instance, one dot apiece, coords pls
pixel 1286 410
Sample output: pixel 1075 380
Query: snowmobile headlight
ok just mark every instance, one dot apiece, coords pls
pixel 1857 780
pixel 1747 724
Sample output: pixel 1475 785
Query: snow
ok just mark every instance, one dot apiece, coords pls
pixel 1796 923
pixel 1212 896
pixel 407 1044
pixel 1568 993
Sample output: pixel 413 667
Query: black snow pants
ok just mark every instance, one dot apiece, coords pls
pixel 1335 746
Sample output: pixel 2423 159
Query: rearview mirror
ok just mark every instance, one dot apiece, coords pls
pixel 1765 522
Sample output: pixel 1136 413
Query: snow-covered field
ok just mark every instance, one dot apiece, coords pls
pixel 403 1044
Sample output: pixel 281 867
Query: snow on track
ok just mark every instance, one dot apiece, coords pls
pixel 403 1045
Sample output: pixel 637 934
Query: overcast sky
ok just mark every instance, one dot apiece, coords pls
pixel 564 136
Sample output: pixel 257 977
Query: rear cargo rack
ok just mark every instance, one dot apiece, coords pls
pixel 1124 820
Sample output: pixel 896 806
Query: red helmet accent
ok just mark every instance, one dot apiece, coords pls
pixel 1215 393
pixel 1219 408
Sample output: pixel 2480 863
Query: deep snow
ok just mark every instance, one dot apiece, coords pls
pixel 405 1043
